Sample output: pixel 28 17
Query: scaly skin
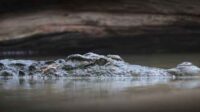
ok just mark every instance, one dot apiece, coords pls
pixel 89 64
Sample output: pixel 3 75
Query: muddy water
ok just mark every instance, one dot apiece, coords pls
pixel 106 93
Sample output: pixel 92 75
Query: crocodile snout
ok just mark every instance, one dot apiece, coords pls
pixel 185 68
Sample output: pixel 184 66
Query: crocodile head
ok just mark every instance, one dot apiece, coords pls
pixel 91 64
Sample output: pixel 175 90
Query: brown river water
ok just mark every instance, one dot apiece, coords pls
pixel 117 94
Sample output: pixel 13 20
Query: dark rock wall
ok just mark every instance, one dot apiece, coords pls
pixel 132 6
pixel 60 27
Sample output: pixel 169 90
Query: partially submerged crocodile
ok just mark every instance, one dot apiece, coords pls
pixel 89 64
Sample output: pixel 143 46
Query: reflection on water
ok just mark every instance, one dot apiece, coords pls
pixel 60 84
pixel 110 84
pixel 69 93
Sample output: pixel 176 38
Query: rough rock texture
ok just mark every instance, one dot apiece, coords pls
pixel 89 64
pixel 105 26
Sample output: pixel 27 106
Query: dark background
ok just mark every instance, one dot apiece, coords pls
pixel 182 36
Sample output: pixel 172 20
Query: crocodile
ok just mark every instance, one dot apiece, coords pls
pixel 91 65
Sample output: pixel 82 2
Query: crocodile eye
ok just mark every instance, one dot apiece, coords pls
pixel 49 62
pixel 6 73
pixel 60 61
pixel 101 61
pixel 77 58
pixel 115 57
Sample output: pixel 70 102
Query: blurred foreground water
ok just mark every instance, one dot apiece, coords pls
pixel 106 93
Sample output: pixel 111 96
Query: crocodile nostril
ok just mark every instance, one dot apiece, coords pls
pixel 185 64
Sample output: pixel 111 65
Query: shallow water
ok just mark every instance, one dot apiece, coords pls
pixel 106 93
